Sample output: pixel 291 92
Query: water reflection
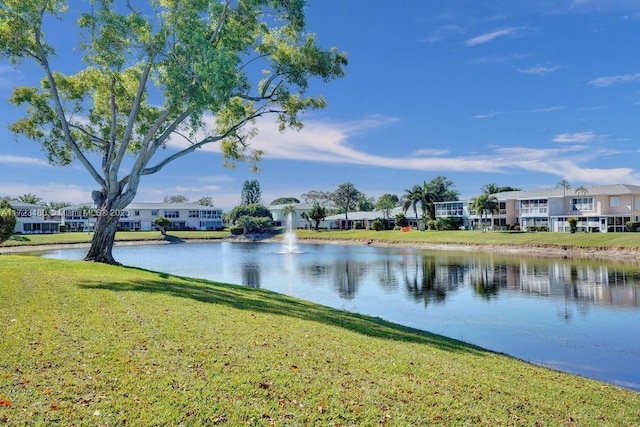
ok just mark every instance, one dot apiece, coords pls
pixel 577 316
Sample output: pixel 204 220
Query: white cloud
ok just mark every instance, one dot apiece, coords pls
pixel 6 80
pixel 535 110
pixel 431 152
pixel 50 191
pixel 22 160
pixel 487 37
pixel 611 80
pixel 580 137
pixel 443 33
pixel 540 69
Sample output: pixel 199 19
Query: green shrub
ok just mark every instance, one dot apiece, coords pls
pixel 401 220
pixel 573 224
pixel 62 228
pixel 358 225
pixel 236 231
pixel 633 225
pixel 7 220
pixel 377 225
pixel 433 224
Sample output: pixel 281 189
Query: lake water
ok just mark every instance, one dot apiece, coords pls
pixel 576 316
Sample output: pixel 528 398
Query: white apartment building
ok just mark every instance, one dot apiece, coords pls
pixel 140 217
pixel 33 219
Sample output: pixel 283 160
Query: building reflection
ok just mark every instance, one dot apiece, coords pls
pixel 433 277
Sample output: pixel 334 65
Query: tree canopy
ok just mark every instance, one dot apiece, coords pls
pixel 251 192
pixel 346 198
pixel 147 74
pixel 285 201
pixel 176 198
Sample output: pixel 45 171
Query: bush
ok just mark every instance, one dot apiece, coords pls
pixel 236 231
pixel 358 225
pixel 633 226
pixel 62 228
pixel 449 223
pixel 433 224
pixel 7 220
pixel 377 225
pixel 401 220
pixel 573 224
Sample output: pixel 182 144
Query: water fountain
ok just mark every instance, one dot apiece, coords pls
pixel 290 240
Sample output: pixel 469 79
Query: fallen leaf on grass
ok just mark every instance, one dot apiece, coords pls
pixel 5 402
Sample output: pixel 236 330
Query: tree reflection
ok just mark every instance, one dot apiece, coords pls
pixel 348 275
pixel 421 282
pixel 251 275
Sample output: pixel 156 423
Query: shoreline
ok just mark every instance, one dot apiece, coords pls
pixel 610 254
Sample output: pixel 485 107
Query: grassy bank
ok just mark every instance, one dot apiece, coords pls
pixel 87 344
pixel 629 241
pixel 121 236
pixel 626 241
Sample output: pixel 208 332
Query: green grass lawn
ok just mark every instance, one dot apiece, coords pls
pixel 628 241
pixel 91 344
pixel 583 240
pixel 122 236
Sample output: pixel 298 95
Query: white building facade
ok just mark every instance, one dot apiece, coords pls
pixel 33 219
pixel 140 217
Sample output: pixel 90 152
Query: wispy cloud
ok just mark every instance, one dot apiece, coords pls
pixel 492 35
pixel 330 142
pixel 22 160
pixel 534 110
pixel 443 33
pixel 6 80
pixel 431 152
pixel 578 137
pixel 540 69
pixel 612 80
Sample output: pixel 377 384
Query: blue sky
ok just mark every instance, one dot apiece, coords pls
pixel 519 93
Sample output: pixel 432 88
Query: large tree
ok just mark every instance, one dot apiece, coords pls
pixel 346 198
pixel 150 72
pixel 251 192
pixel 324 198
pixel 386 203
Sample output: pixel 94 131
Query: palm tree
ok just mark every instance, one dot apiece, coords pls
pixel 582 190
pixel 491 188
pixel 565 186
pixel 286 211
pixel 485 204
pixel 411 199
pixel 29 198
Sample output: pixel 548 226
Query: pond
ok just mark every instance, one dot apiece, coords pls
pixel 577 316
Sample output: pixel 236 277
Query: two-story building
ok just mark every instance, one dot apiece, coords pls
pixel 33 219
pixel 140 217
pixel 600 208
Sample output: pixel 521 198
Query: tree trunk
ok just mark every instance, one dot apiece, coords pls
pixel 104 237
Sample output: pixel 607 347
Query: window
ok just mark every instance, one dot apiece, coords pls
pixel 194 214
pixel 614 201
pixel 582 204
pixel 154 213
pixel 136 213
pixel 172 214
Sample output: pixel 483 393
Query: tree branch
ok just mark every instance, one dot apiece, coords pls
pixel 42 59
